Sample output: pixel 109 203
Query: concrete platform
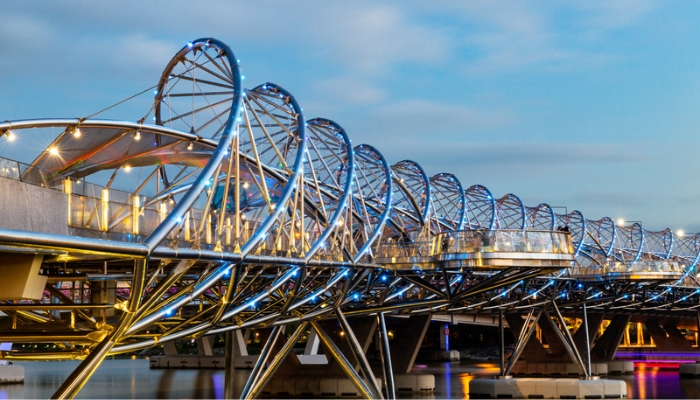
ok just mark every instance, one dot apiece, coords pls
pixel 689 370
pixel 341 386
pixel 11 373
pixel 524 368
pixel 620 367
pixel 186 362
pixel 546 388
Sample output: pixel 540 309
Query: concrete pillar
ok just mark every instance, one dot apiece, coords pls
pixel 406 343
pixel 240 342
pixel 667 339
pixel 312 343
pixel 534 351
pixel 677 336
pixel 607 344
pixel 169 348
pixel 556 347
pixel 594 321
pixel 229 365
pixel 204 345
pixel 20 276
pixel 363 328
pixel 104 292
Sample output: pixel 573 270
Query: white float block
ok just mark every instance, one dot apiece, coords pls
pixel 541 368
pixel 572 370
pixel 11 374
pixel 547 388
pixel 555 369
pixel 620 367
pixel 599 369
pixel 288 387
pixel 329 387
pixel 244 362
pixel 346 388
pixel 689 370
pixel 424 382
pixel 483 389
pixel 520 368
pixel 408 383
pixel 526 386
pixel 614 388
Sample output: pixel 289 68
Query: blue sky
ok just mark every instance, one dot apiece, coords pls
pixel 590 105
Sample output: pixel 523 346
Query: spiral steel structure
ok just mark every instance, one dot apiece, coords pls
pixel 233 211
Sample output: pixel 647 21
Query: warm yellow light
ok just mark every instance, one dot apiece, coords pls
pixel 53 151
pixel 137 136
pixel 127 168
pixel 76 132
pixel 245 185
pixel 10 136
pixel 190 146
pixel 620 221
pixel 680 233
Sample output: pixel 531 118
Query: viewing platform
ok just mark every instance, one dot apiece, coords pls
pixel 481 249
pixel 631 271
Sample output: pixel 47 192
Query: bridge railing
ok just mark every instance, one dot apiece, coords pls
pixel 462 247
pixel 640 269
pixel 504 241
pixel 397 248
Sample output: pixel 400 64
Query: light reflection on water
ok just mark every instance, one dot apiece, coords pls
pixel 134 379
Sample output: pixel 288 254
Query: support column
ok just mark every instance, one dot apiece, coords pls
pixel 169 348
pixel 229 365
pixel 385 354
pixel 607 344
pixel 407 343
pixel 363 329
pixel 501 339
pixel 77 379
pixel 359 352
pixel 204 345
pixel 594 321
pixel 262 360
pixel 262 381
pixel 523 338
pixel 533 350
pixel 667 339
pixel 334 352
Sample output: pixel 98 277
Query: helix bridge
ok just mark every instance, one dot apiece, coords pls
pixel 224 208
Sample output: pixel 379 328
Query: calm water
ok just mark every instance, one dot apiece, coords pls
pixel 134 379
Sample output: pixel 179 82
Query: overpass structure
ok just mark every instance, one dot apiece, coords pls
pixel 224 209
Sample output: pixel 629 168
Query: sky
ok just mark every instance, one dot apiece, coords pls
pixel 583 105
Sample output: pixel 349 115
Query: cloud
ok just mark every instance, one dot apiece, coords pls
pixel 515 36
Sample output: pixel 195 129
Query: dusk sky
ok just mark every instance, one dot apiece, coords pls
pixel 591 105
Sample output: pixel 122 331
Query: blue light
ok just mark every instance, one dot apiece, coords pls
pixel 294 273
pixel 189 44
pixel 383 278
pixel 356 296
